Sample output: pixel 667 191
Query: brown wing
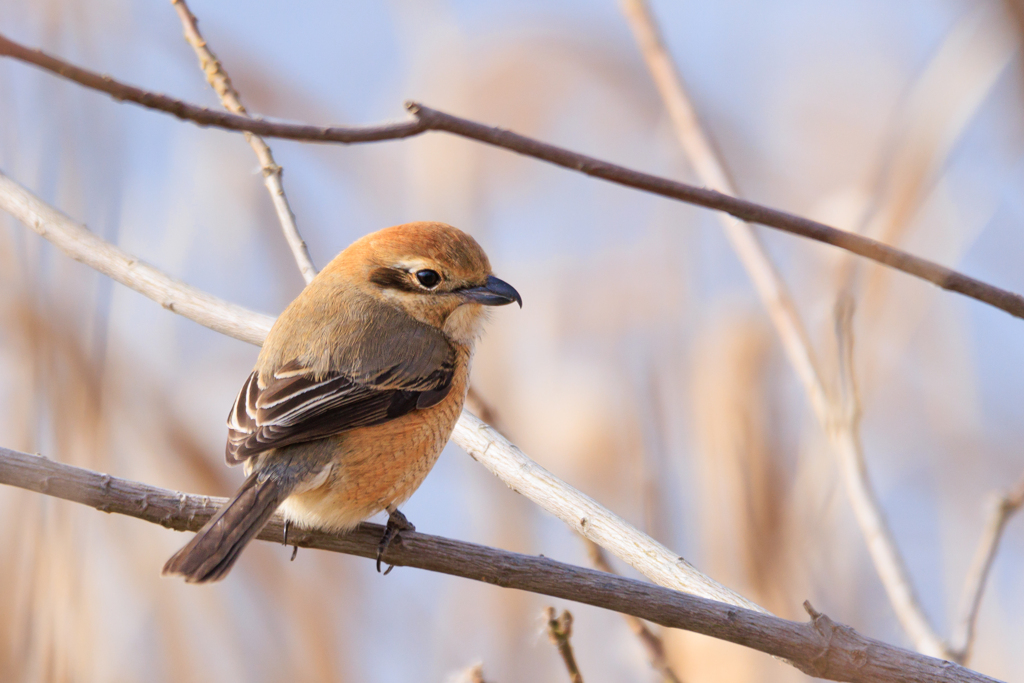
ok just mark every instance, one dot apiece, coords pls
pixel 412 372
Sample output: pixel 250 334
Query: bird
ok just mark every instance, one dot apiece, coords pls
pixel 355 392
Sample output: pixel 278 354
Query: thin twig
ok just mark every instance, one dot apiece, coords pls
pixel 432 119
pixel 651 643
pixel 560 633
pixel 479 440
pixel 218 79
pixel 819 647
pixel 844 433
pixel 977 576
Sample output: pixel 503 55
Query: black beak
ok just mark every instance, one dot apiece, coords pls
pixel 495 293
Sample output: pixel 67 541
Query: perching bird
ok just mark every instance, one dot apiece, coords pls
pixel 356 391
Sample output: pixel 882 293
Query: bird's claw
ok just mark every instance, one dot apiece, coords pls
pixel 397 523
pixel 295 548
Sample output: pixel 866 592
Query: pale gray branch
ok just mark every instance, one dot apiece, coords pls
pixel 844 432
pixel 977 576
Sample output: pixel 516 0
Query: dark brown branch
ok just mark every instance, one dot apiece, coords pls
pixel 560 633
pixel 651 643
pixel 819 647
pixel 431 119
pixel 203 116
pixel 740 208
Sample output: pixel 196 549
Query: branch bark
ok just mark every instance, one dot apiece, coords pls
pixel 219 80
pixel 432 119
pixel 820 647
pixel 651 643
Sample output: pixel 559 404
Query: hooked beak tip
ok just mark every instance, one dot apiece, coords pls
pixel 496 292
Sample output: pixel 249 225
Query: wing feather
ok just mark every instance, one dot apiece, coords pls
pixel 296 405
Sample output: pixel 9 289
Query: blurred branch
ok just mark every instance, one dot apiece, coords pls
pixel 841 426
pixel 482 407
pixel 81 244
pixel 712 173
pixel 218 79
pixel 651 643
pixel 820 647
pixel 844 433
pixel 482 442
pixel 560 631
pixel 431 119
pixel 977 576
pixel 934 115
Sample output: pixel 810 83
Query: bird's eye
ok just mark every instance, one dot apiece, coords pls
pixel 428 278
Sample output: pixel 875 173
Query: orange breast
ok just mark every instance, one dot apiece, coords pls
pixel 373 468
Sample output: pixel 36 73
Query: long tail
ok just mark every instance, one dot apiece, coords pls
pixel 211 553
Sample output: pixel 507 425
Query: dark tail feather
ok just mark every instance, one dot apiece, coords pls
pixel 211 553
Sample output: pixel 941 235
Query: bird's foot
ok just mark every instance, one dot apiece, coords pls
pixel 397 523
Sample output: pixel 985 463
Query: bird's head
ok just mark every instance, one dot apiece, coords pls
pixel 437 274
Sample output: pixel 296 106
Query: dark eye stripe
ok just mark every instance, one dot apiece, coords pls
pixel 390 278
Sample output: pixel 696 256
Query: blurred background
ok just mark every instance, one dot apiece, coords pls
pixel 642 369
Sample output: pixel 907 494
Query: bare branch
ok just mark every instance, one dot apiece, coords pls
pixel 651 642
pixel 977 576
pixel 432 119
pixel 585 515
pixel 819 648
pixel 218 79
pixel 208 117
pixel 740 208
pixel 845 437
pixel 81 244
pixel 560 632
pixel 483 443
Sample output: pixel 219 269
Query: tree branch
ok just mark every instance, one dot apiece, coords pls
pixel 218 79
pixel 820 647
pixel 208 117
pixel 560 633
pixel 977 576
pixel 431 119
pixel 844 432
pixel 651 643
pixel 483 443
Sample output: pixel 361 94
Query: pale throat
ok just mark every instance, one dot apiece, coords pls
pixel 465 323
